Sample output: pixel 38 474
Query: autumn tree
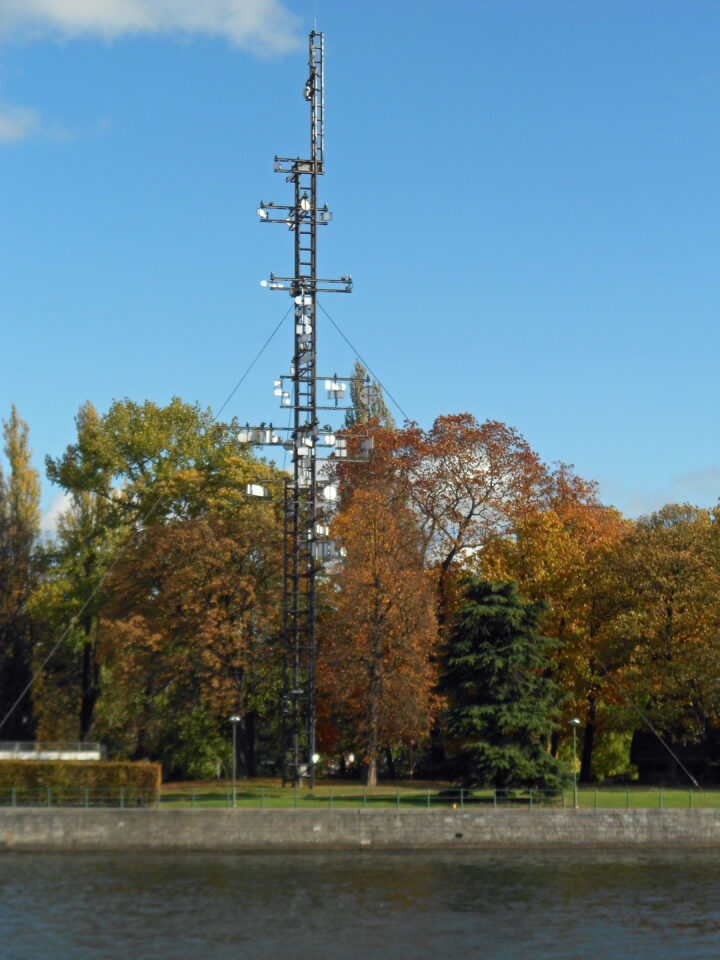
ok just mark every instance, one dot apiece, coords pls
pixel 467 483
pixel 375 656
pixel 163 489
pixel 502 704
pixel 190 632
pixel 562 554
pixel 19 533
pixel 669 634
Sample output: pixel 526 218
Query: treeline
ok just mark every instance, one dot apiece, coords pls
pixel 486 598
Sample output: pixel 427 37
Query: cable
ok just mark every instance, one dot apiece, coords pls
pixel 143 520
pixel 366 365
pixel 114 562
pixel 257 357
pixel 614 682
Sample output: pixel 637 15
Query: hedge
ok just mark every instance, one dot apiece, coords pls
pixel 97 776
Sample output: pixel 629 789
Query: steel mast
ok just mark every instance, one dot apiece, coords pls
pixel 304 549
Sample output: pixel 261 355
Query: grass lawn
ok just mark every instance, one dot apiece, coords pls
pixel 335 794
pixel 332 794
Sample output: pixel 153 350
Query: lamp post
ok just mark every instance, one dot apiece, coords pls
pixel 575 723
pixel 234 720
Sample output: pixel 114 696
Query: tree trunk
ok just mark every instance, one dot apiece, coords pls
pixel 141 751
pixel 390 763
pixel 249 743
pixel 586 774
pixel 142 744
pixel 88 689
pixel 438 760
pixel 245 760
pixel 369 773
pixel 369 768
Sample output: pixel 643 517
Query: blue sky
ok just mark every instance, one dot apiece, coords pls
pixel 526 194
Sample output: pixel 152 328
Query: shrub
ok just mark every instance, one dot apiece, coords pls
pixel 64 776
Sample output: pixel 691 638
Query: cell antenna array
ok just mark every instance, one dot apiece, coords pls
pixel 308 494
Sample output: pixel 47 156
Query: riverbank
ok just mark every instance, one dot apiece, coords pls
pixel 258 830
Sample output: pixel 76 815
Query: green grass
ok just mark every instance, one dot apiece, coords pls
pixel 322 797
pixel 407 796
pixel 434 795
pixel 638 798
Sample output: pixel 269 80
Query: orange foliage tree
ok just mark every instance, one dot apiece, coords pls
pixel 467 483
pixel 190 631
pixel 193 612
pixel 562 554
pixel 375 663
pixel 182 632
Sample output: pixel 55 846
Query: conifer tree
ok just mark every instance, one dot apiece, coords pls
pixel 502 705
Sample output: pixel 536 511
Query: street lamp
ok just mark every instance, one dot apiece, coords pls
pixel 234 720
pixel 575 723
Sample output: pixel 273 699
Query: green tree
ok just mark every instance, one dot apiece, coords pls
pixel 502 705
pixel 70 597
pixel 181 624
pixel 669 633
pixel 137 458
pixel 368 401
pixel 563 554
pixel 19 568
pixel 67 603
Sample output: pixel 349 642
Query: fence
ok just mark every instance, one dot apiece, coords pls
pixel 79 797
pixel 383 798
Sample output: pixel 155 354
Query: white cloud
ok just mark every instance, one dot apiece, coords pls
pixel 263 26
pixel 17 123
pixel 58 505
pixel 699 487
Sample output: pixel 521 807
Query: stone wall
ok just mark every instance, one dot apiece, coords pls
pixel 69 829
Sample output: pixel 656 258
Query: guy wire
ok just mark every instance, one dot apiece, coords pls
pixel 116 559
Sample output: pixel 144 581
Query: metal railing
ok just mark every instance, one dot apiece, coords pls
pixel 76 797
pixel 335 799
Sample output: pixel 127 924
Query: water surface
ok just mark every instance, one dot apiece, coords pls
pixel 509 904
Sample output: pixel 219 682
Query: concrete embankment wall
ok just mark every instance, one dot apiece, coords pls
pixel 68 829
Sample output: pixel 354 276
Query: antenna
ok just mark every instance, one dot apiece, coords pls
pixel 307 545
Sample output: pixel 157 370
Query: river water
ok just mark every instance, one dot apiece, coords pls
pixel 508 904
